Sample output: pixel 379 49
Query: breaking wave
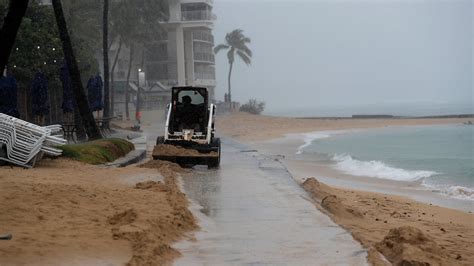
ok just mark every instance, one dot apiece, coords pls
pixel 310 137
pixel 378 169
pixel 457 192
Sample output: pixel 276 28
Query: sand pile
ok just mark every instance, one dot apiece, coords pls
pixel 171 150
pixel 125 217
pixel 165 167
pixel 151 247
pixel 316 189
pixel 154 185
pixel 406 232
pixel 329 201
pixel 408 245
pixel 65 212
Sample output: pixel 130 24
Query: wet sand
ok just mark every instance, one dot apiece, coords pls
pixel 251 128
pixel 65 212
pixel 433 234
pixel 401 229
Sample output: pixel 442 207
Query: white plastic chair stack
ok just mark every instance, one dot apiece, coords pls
pixel 26 142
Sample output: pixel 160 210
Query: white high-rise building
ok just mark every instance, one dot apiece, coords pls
pixel 185 56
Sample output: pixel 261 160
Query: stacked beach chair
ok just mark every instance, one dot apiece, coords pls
pixel 25 143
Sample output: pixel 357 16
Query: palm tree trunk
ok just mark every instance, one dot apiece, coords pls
pixel 80 132
pixel 229 95
pixel 11 24
pixel 88 119
pixel 112 88
pixel 130 61
pixel 105 39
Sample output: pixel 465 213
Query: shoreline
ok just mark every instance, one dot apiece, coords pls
pixel 377 212
pixel 286 138
pixel 302 166
pixel 256 128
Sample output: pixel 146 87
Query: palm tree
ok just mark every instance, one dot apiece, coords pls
pixel 88 119
pixel 11 24
pixel 105 50
pixel 236 43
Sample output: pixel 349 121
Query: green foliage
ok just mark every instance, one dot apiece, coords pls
pixel 98 151
pixel 39 48
pixel 236 42
pixel 253 107
pixel 84 21
pixel 137 21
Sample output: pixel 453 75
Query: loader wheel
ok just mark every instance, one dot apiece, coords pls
pixel 160 140
pixel 215 162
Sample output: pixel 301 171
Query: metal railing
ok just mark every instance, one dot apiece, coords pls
pixel 205 75
pixel 203 36
pixel 207 57
pixel 197 15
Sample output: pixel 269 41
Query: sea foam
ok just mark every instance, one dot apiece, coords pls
pixel 378 169
pixel 310 137
pixel 457 192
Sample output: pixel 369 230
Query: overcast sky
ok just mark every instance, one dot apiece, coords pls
pixel 350 53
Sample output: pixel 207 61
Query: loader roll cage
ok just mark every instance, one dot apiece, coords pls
pixel 190 125
pixel 196 115
pixel 192 115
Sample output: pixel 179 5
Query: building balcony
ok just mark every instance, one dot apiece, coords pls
pixel 203 36
pixel 204 57
pixel 198 15
pixel 204 75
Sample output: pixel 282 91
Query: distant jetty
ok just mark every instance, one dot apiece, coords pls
pixel 382 116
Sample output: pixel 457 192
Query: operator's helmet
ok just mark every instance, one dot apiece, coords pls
pixel 186 99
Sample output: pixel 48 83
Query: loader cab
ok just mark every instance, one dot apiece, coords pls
pixel 189 109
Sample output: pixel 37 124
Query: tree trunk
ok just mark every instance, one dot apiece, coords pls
pixel 88 119
pixel 228 81
pixel 112 88
pixel 11 24
pixel 80 132
pixel 105 39
pixel 130 61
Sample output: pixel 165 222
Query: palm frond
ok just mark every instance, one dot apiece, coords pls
pixel 220 47
pixel 244 48
pixel 246 40
pixel 244 57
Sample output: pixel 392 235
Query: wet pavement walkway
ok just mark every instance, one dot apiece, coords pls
pixel 252 212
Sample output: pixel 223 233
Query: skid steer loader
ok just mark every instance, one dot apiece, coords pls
pixel 189 131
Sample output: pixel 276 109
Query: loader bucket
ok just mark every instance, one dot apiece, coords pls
pixel 187 156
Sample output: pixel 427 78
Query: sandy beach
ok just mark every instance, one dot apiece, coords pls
pixel 66 212
pixel 253 128
pixel 400 228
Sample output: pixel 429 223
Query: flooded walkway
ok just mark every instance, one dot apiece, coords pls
pixel 251 212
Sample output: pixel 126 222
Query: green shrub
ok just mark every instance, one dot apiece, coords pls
pixel 253 107
pixel 98 151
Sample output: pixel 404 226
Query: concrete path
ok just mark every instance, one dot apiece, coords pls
pixel 251 212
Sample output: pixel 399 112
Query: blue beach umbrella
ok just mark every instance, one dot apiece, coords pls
pixel 39 95
pixel 94 88
pixel 8 96
pixel 68 97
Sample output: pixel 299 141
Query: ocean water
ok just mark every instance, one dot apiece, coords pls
pixel 439 158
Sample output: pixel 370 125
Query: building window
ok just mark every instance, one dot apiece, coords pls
pixel 157 71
